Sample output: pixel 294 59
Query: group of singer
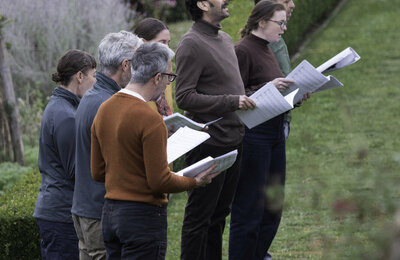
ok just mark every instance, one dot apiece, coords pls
pixel 105 178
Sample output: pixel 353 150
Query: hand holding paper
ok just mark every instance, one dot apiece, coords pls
pixel 270 103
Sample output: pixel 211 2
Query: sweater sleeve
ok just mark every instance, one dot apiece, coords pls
pixel 65 141
pixel 159 177
pixel 190 62
pixel 97 160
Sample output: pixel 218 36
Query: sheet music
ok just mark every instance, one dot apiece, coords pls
pixel 306 78
pixel 182 141
pixel 223 162
pixel 344 58
pixel 270 103
pixel 178 120
pixel 332 83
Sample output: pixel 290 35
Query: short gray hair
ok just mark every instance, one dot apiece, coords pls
pixel 115 47
pixel 148 60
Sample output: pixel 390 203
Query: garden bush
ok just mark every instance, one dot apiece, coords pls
pixel 19 236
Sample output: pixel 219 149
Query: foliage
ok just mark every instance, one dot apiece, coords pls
pixel 11 173
pixel 19 237
pixel 31 109
pixel 165 10
pixel 39 32
pixel 307 15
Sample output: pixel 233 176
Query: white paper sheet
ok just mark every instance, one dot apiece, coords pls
pixel 344 58
pixel 182 141
pixel 270 103
pixel 178 120
pixel 223 162
pixel 306 78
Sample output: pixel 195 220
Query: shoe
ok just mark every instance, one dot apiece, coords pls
pixel 268 256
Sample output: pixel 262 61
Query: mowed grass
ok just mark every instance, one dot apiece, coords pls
pixel 343 156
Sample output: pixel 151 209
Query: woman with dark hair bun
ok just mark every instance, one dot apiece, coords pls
pixel 76 74
pixel 154 30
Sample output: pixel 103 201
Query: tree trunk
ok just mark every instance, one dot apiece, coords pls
pixel 5 137
pixel 10 103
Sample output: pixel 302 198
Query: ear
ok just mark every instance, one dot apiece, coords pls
pixel 79 76
pixel 125 65
pixel 203 5
pixel 262 24
pixel 157 78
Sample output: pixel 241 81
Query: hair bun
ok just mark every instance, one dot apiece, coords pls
pixel 56 77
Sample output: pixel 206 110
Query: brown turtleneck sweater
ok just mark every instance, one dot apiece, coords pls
pixel 208 83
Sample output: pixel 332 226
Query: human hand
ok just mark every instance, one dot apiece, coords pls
pixel 282 83
pixel 204 178
pixel 305 97
pixel 246 103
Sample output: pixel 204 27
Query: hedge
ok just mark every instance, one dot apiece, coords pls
pixel 19 237
pixel 306 15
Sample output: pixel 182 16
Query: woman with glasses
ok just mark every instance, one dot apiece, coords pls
pixel 76 74
pixel 257 206
pixel 154 30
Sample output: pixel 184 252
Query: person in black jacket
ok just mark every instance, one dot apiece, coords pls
pixel 76 74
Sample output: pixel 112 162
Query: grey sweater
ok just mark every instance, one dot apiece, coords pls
pixel 209 83
pixel 89 195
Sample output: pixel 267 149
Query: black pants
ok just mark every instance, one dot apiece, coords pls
pixel 134 230
pixel 59 240
pixel 207 207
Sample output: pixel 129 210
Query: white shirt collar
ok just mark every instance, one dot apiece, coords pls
pixel 132 93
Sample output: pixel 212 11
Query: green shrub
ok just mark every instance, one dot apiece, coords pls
pixel 10 174
pixel 19 237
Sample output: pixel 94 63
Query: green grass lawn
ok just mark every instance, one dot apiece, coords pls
pixel 343 153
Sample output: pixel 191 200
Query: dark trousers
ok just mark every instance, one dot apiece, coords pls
pixel 134 230
pixel 207 208
pixel 257 207
pixel 59 240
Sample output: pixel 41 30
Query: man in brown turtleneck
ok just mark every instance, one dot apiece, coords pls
pixel 209 86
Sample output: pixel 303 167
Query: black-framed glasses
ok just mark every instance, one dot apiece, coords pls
pixel 282 24
pixel 171 76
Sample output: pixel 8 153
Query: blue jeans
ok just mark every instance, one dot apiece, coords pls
pixel 59 240
pixel 257 206
pixel 134 230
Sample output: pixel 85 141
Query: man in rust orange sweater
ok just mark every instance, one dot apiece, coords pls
pixel 129 142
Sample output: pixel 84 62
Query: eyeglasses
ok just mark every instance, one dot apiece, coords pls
pixel 282 24
pixel 171 76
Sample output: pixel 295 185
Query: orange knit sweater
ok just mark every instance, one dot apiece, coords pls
pixel 129 154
